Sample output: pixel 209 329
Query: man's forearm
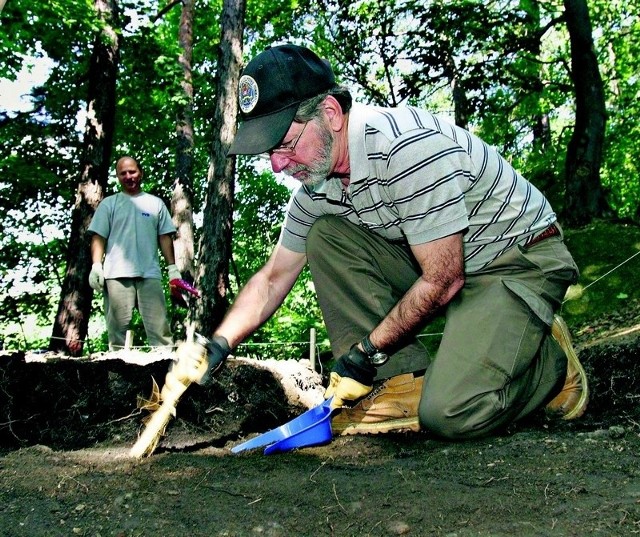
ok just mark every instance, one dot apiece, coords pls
pixel 97 248
pixel 254 305
pixel 413 310
pixel 166 247
pixel 442 265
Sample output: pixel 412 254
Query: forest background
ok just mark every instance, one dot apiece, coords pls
pixel 554 85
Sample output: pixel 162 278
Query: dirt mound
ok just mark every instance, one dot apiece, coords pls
pixel 72 404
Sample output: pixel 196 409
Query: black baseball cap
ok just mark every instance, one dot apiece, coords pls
pixel 272 86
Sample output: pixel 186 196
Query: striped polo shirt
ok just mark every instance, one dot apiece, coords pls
pixel 416 178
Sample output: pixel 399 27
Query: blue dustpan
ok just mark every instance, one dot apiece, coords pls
pixel 309 429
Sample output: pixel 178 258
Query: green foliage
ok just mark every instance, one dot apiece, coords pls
pixel 55 28
pixel 148 85
pixel 260 201
pixel 39 159
pixel 508 58
pixel 619 42
pixel 260 207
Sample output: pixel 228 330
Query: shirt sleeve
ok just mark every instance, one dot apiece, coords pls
pixel 165 224
pixel 100 223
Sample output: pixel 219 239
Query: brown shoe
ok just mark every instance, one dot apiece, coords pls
pixel 393 406
pixel 572 401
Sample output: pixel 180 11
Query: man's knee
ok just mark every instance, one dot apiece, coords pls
pixel 458 421
pixel 439 421
pixel 323 228
pixel 329 238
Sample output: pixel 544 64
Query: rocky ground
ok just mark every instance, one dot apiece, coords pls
pixel 538 478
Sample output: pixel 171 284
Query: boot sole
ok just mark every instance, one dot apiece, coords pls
pixel 561 334
pixel 397 425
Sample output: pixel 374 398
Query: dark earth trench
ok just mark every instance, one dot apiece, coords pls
pixel 67 426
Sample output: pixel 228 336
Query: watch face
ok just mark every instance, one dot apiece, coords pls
pixel 379 358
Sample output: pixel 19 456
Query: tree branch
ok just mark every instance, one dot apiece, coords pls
pixel 166 9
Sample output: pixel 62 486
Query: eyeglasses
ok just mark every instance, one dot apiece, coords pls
pixel 289 149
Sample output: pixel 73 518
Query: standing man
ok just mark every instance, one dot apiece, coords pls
pixel 128 227
pixel 400 216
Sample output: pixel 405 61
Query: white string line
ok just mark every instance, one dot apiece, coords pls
pixel 419 335
pixel 607 274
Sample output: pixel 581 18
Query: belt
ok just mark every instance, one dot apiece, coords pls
pixel 551 231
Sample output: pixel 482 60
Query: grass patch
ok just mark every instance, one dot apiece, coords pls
pixel 602 288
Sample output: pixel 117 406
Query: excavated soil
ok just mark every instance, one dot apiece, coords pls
pixel 65 467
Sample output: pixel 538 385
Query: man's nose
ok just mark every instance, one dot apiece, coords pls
pixel 278 162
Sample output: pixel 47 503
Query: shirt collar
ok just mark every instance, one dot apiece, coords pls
pixel 357 147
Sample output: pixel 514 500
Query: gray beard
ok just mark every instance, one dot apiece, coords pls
pixel 318 173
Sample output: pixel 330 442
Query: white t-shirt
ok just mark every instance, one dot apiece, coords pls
pixel 131 226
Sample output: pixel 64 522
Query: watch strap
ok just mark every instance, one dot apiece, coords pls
pixel 368 347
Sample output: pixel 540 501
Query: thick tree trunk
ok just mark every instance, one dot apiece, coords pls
pixel 182 199
pixel 182 196
pixel 72 319
pixel 215 244
pixel 584 198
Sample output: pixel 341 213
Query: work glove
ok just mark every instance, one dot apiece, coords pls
pixel 198 361
pixel 96 277
pixel 351 378
pixel 179 287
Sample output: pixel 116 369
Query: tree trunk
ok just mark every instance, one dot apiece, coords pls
pixel 541 127
pixel 72 319
pixel 215 244
pixel 182 198
pixel 543 175
pixel 459 95
pixel 584 198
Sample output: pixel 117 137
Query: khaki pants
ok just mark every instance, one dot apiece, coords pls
pixel 121 296
pixel 497 361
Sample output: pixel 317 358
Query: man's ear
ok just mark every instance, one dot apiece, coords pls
pixel 335 115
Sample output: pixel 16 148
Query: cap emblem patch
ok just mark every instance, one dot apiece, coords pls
pixel 247 93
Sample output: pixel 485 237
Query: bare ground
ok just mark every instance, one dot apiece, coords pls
pixel 538 478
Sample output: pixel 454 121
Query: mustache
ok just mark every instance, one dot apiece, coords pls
pixel 295 169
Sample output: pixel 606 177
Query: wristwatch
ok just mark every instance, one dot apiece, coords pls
pixel 376 357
